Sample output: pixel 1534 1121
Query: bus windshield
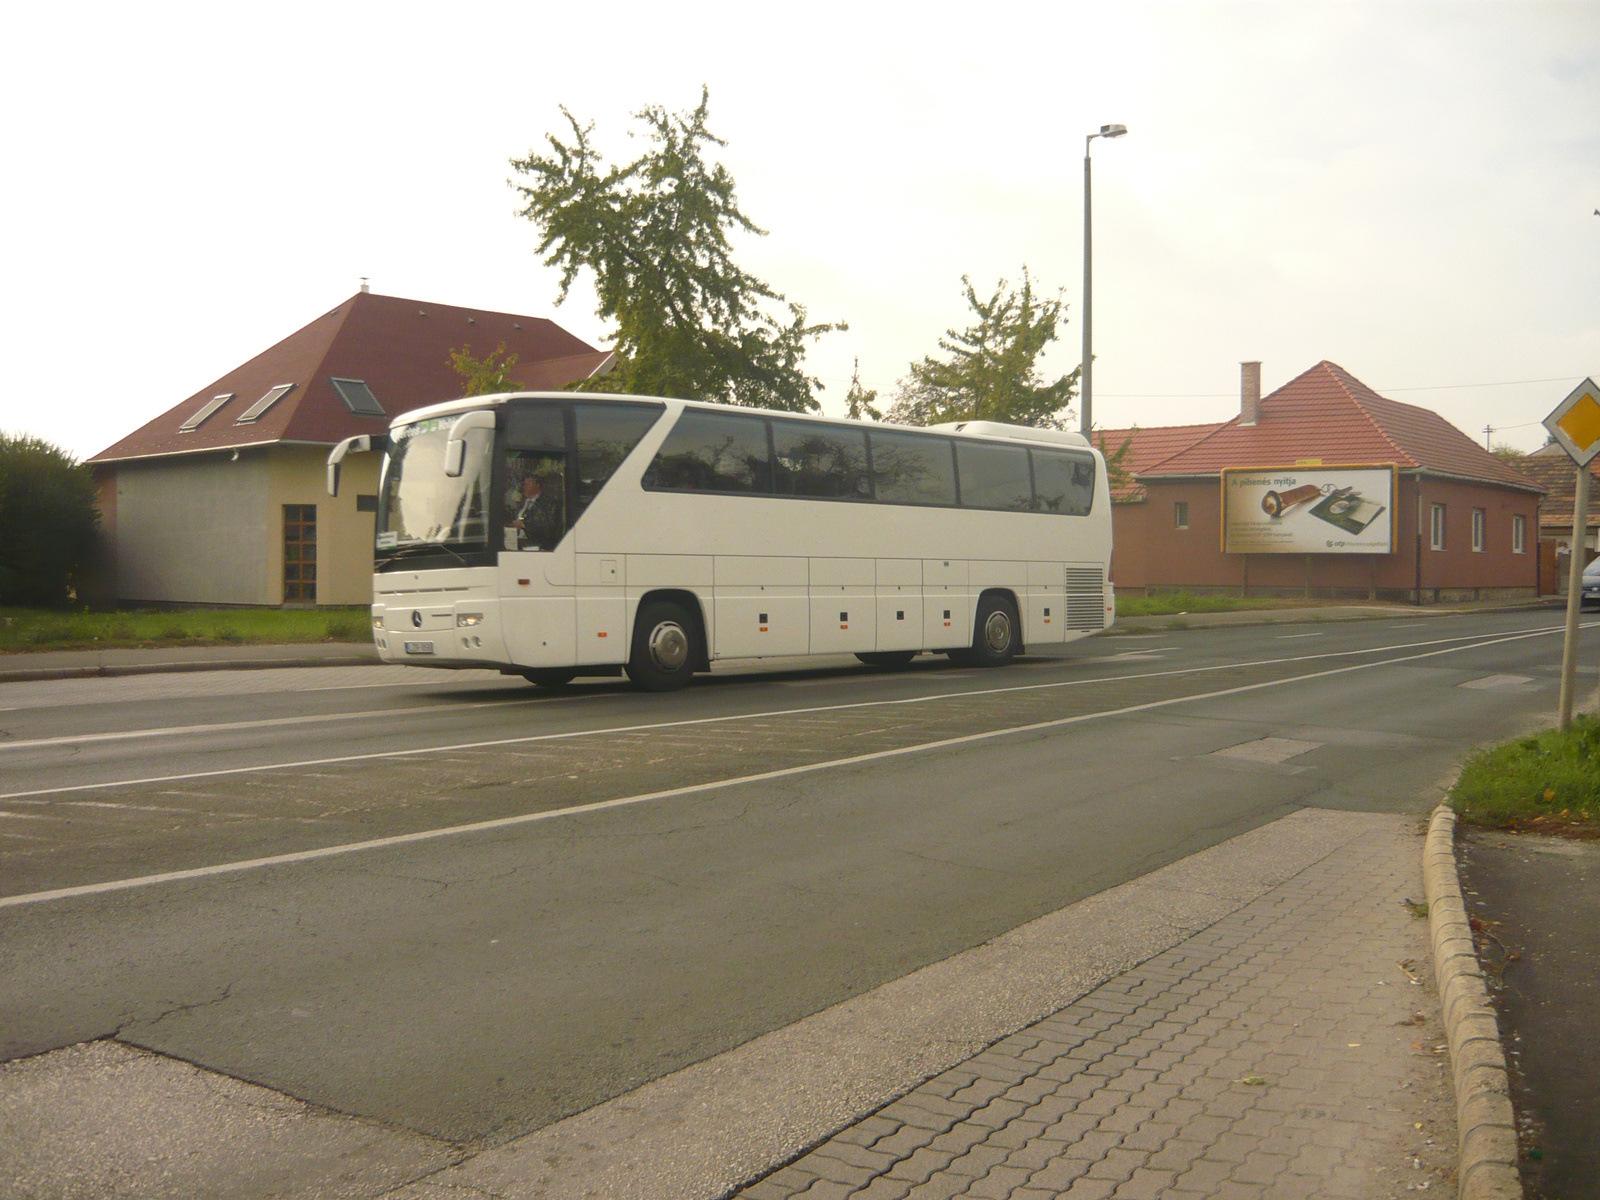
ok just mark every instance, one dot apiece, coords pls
pixel 418 504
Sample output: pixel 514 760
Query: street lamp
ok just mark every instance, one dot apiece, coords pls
pixel 1086 379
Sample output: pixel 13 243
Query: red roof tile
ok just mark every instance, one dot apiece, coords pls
pixel 1328 414
pixel 1149 446
pixel 1555 473
pixel 400 348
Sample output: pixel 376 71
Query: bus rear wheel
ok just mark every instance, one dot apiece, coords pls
pixel 663 654
pixel 996 635
pixel 888 658
pixel 550 677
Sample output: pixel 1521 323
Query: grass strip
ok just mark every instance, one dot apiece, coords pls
pixel 1164 604
pixel 1549 782
pixel 23 629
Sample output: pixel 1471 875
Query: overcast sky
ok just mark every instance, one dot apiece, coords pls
pixel 1406 189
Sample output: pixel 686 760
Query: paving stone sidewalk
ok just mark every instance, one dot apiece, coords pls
pixel 1284 1052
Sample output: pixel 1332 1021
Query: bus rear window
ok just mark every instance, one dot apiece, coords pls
pixel 1063 483
pixel 713 452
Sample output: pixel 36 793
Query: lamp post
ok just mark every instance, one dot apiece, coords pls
pixel 1086 378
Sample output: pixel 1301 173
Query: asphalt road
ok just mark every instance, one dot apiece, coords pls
pixel 664 877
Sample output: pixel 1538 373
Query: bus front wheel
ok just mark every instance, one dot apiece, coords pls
pixel 996 635
pixel 663 654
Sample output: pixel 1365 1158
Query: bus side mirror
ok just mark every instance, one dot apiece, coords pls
pixel 336 456
pixel 455 446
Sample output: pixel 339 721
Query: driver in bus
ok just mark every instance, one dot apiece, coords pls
pixel 534 518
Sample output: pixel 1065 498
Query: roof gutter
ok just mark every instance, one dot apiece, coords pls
pixel 101 460
pixel 1413 472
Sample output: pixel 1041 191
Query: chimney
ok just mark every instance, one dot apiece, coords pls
pixel 1249 393
pixel 364 286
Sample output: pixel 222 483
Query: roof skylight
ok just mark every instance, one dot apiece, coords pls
pixel 255 411
pixel 203 412
pixel 358 397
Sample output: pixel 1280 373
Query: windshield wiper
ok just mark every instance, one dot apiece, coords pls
pixel 400 552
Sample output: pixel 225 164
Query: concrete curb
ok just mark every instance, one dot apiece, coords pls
pixel 1486 1124
pixel 1246 618
pixel 32 674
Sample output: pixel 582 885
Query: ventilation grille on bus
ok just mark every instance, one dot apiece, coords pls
pixel 1086 598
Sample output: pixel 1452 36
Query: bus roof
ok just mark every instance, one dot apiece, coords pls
pixel 983 429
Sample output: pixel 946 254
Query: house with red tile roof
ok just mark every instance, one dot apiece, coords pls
pixel 1552 470
pixel 1145 446
pixel 1465 522
pixel 221 499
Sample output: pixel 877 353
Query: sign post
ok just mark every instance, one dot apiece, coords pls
pixel 1575 427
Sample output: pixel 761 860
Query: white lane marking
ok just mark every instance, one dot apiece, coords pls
pixel 74 739
pixel 232 726
pixel 1289 637
pixel 755 716
pixel 424 835
pixel 1137 655
pixel 1492 682
pixel 1268 750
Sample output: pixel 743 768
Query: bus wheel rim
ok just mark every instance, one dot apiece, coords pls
pixel 997 632
pixel 669 646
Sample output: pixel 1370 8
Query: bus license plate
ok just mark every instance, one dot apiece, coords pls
pixel 419 647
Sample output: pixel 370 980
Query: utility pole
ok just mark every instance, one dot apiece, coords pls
pixel 1086 376
pixel 1569 646
pixel 1487 444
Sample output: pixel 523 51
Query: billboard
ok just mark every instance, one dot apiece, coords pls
pixel 1308 510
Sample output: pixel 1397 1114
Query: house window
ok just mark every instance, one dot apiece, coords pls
pixel 1519 534
pixel 1180 514
pixel 299 553
pixel 1478 522
pixel 1438 527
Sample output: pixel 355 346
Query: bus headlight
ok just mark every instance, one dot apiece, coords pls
pixel 463 620
pixel 377 622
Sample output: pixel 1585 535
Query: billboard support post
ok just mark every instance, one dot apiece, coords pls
pixel 1569 646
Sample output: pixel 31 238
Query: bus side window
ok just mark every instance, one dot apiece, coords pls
pixel 1064 483
pixel 713 452
pixel 993 476
pixel 912 469
pixel 607 434
pixel 820 461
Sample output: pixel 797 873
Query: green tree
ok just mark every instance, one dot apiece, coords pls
pixel 1118 472
pixel 48 520
pixel 487 375
pixel 860 402
pixel 991 371
pixel 655 233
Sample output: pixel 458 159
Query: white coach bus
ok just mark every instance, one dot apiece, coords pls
pixel 557 535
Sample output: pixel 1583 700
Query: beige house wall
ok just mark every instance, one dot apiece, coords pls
pixel 299 475
pixel 194 530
